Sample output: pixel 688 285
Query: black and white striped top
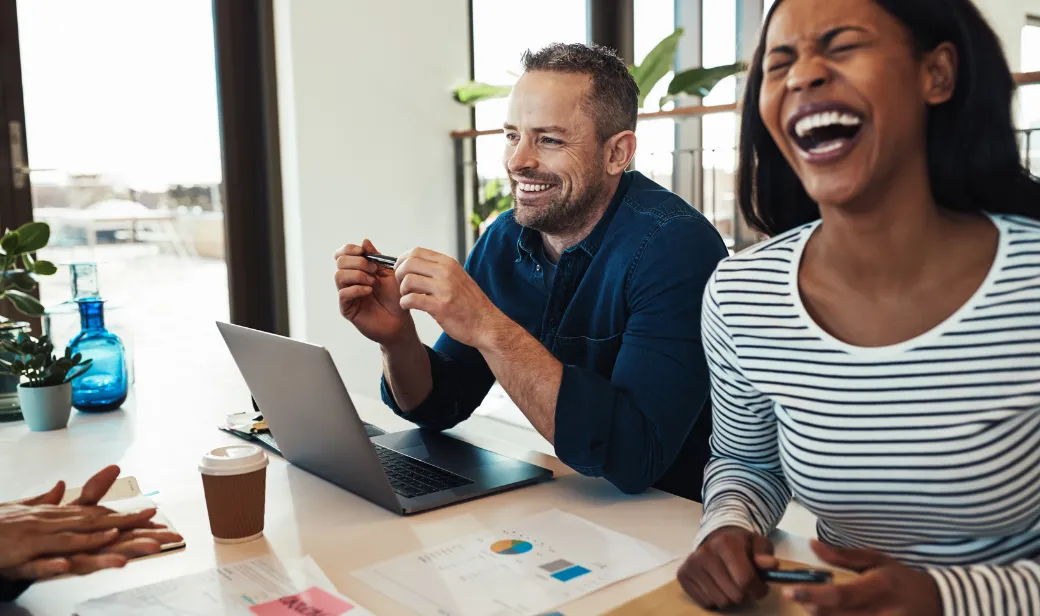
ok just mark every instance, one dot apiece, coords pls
pixel 928 450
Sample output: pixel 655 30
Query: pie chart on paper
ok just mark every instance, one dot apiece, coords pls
pixel 511 547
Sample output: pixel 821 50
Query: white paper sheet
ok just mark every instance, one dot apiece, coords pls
pixel 543 562
pixel 241 589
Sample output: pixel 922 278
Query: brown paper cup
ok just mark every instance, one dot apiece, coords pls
pixel 236 505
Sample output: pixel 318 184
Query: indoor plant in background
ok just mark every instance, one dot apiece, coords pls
pixel 661 59
pixel 696 81
pixel 46 391
pixel 18 271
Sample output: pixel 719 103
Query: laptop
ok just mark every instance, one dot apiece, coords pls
pixel 310 415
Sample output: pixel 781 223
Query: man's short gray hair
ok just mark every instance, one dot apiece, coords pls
pixel 613 98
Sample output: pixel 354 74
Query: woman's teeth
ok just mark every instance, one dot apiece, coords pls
pixel 828 147
pixel 534 187
pixel 822 120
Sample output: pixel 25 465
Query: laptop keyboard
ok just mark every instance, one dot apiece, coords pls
pixel 411 478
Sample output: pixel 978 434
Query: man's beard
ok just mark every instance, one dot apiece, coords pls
pixel 565 213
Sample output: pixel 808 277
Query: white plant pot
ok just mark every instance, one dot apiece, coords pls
pixel 46 408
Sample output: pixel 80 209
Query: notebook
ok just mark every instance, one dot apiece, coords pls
pixel 125 496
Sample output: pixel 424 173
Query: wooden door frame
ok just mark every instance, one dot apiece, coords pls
pixel 15 204
pixel 251 152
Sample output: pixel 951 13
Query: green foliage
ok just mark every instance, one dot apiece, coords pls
pixel 474 92
pixel 34 359
pixel 653 68
pixel 497 199
pixel 16 282
pixel 700 81
pixel 656 64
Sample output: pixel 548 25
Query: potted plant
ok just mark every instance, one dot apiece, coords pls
pixel 18 272
pixel 45 392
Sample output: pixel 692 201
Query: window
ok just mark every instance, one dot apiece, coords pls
pixel 766 5
pixel 123 137
pixel 719 131
pixel 502 31
pixel 1030 95
pixel 654 20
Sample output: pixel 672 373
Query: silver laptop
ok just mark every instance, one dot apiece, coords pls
pixel 300 392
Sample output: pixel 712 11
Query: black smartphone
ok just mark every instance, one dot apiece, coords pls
pixel 796 576
pixel 383 260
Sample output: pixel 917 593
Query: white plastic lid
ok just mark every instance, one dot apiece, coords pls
pixel 233 460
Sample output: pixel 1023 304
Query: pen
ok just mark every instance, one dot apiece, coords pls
pixel 796 576
pixel 383 260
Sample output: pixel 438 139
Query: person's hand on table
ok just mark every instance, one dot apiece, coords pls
pixel 723 571
pixel 885 586
pixel 41 538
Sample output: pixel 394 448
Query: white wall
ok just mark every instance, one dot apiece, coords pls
pixel 364 94
pixel 1007 17
pixel 1033 7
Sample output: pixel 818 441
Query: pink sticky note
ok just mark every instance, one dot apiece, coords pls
pixel 313 602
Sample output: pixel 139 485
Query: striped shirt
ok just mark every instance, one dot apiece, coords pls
pixel 927 450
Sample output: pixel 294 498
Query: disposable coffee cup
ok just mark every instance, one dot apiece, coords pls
pixel 235 481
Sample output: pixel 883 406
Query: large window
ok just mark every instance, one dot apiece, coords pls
pixel 654 20
pixel 502 31
pixel 123 137
pixel 1030 95
pixel 719 131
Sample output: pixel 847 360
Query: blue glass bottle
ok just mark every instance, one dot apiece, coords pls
pixel 104 387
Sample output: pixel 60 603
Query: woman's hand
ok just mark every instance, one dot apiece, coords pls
pixel 885 587
pixel 723 572
pixel 40 538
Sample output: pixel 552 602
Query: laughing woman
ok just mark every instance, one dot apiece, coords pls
pixel 879 357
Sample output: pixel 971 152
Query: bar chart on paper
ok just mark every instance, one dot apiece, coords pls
pixel 543 562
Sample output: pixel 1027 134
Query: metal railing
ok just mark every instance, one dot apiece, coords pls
pixel 705 177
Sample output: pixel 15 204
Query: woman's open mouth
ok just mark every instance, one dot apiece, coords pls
pixel 825 132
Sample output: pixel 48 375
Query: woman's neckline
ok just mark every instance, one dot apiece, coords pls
pixel 916 341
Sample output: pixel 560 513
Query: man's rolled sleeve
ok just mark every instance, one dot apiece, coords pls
pixel 460 383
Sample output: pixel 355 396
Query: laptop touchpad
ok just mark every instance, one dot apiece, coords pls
pixel 437 449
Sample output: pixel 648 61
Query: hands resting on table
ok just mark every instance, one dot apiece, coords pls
pixel 41 538
pixel 723 573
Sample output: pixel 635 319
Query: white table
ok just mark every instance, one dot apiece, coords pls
pixel 168 424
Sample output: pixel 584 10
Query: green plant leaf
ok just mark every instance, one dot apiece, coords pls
pixel 25 303
pixel 45 268
pixel 656 64
pixel 71 376
pixel 492 189
pixel 9 243
pixel 475 92
pixel 33 236
pixel 700 81
pixel 28 261
pixel 21 279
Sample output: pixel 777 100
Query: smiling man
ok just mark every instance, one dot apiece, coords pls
pixel 583 301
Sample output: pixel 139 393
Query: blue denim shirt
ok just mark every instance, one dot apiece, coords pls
pixel 623 317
